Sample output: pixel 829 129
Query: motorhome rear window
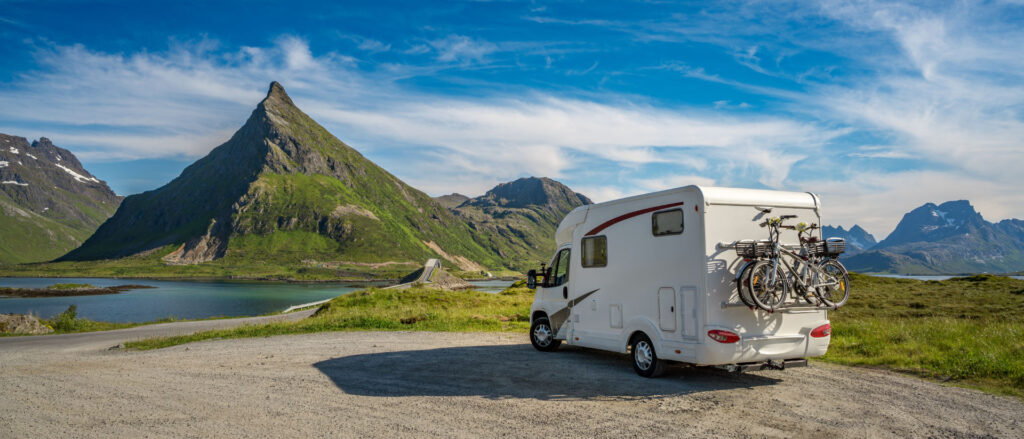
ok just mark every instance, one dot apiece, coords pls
pixel 668 222
pixel 595 251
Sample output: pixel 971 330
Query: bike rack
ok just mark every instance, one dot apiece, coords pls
pixel 786 307
pixel 732 245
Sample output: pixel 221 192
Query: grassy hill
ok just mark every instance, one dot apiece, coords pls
pixel 282 196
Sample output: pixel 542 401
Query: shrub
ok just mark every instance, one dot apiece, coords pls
pixel 67 320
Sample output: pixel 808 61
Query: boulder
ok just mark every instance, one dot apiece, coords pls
pixel 22 324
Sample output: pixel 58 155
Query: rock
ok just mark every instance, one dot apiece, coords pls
pixel 22 324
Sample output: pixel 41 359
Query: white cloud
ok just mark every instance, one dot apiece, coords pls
pixel 462 49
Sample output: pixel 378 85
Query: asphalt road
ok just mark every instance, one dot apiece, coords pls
pixel 416 384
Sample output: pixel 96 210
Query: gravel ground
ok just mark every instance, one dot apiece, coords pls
pixel 387 384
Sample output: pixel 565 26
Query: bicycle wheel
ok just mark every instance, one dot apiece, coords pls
pixel 838 292
pixel 768 290
pixel 743 284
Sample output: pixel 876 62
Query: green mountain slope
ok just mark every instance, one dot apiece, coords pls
pixel 285 190
pixel 517 220
pixel 49 204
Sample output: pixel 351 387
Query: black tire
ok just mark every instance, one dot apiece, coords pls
pixel 645 360
pixel 743 286
pixel 538 329
pixel 835 297
pixel 767 296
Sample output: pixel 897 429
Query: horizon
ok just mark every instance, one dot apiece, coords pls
pixel 879 109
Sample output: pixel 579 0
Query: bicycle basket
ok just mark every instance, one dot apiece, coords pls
pixel 750 249
pixel 816 248
pixel 835 246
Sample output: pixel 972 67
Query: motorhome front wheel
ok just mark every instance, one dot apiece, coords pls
pixel 542 336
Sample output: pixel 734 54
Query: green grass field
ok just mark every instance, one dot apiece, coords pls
pixel 413 309
pixel 964 331
pixel 968 331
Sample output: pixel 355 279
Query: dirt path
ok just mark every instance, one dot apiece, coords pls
pixel 90 341
pixel 463 385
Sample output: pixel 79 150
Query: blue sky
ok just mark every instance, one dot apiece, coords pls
pixel 877 106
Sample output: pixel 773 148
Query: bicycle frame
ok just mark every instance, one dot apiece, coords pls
pixel 801 278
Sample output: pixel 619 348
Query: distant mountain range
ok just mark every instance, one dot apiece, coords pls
pixel 49 203
pixel 283 189
pixel 950 238
pixel 857 239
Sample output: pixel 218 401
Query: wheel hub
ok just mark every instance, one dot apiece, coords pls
pixel 542 335
pixel 643 355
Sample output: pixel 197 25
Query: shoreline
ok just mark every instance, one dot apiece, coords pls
pixel 90 290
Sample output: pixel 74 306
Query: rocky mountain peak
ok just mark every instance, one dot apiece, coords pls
pixel 857 239
pixel 276 97
pixel 451 200
pixel 529 191
pixel 932 222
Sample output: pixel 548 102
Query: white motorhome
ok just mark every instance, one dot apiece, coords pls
pixel 654 275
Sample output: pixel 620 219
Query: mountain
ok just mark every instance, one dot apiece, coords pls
pixel 857 239
pixel 452 200
pixel 284 190
pixel 950 238
pixel 517 220
pixel 50 203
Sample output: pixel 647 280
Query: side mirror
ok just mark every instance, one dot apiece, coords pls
pixel 531 279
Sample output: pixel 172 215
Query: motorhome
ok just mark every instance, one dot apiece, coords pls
pixel 654 276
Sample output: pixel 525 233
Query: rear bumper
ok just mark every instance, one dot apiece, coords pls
pixel 749 350
pixel 772 365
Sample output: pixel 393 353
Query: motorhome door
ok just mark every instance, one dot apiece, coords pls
pixel 556 292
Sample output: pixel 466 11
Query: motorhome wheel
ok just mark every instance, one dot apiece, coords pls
pixel 645 359
pixel 542 336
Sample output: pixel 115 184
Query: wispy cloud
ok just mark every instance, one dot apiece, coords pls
pixel 178 102
pixel 460 48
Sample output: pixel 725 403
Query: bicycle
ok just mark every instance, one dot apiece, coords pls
pixel 813 273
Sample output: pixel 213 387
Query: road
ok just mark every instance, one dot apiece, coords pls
pixel 415 384
pixel 86 341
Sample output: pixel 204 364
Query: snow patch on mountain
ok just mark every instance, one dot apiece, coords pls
pixel 79 177
pixel 13 182
pixel 14 150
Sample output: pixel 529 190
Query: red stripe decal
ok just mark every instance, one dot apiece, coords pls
pixel 627 216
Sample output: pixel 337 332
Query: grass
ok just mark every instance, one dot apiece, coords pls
pixel 413 309
pixel 69 286
pixel 966 331
pixel 149 266
pixel 68 322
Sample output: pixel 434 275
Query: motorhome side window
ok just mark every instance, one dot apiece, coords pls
pixel 595 251
pixel 561 269
pixel 669 222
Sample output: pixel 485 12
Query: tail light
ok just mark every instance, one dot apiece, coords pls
pixel 822 331
pixel 723 336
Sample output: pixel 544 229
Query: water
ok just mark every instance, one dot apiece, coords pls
pixel 180 299
pixel 491 286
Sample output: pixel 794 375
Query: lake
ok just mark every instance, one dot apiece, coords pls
pixel 180 299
